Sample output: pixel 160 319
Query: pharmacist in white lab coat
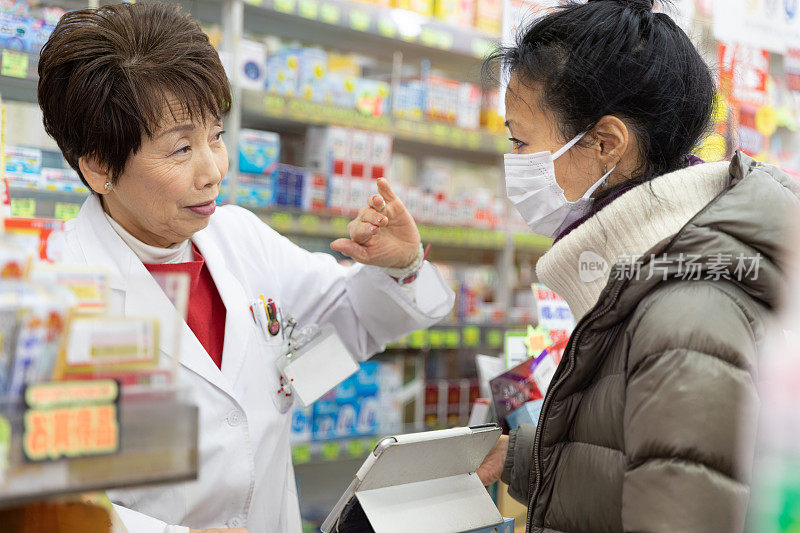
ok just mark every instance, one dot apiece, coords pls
pixel 134 95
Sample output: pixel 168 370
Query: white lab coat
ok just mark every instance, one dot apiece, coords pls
pixel 246 477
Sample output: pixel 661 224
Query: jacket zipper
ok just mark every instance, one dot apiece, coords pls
pixel 535 484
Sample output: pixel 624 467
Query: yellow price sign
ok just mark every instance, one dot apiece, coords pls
pixel 471 336
pixel 387 28
pixel 357 448
pixel 15 64
pixel 281 221
pixel 331 451
pixel 301 454
pixel 309 9
pixel 66 211
pixel 285 6
pixel 23 207
pixel 359 20
pixel 330 14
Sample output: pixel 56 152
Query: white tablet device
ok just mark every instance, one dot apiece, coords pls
pixel 421 482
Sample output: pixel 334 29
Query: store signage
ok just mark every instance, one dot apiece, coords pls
pixel 743 73
pixel 71 419
pixel 553 311
pixel 770 24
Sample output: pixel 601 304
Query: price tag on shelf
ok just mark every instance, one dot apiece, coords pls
pixel 301 454
pixel 285 6
pixel 482 47
pixel 495 338
pixel 339 225
pixel 428 37
pixel 330 14
pixel 452 338
pixel 274 104
pixel 71 419
pixel 280 221
pixel 471 336
pixel 331 450
pixel 309 223
pixel 387 28
pixel 445 40
pixel 66 211
pixel 5 446
pixel 436 337
pixel 357 448
pixel 23 207
pixel 15 64
pixel 309 9
pixel 359 20
pixel 418 339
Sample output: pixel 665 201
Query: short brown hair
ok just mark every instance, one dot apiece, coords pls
pixel 106 74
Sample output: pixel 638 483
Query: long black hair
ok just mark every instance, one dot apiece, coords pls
pixel 617 57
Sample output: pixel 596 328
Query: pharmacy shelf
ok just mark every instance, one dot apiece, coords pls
pixel 297 222
pixel 481 337
pixel 29 202
pixel 371 27
pixel 158 444
pixel 333 450
pixel 269 110
pixel 19 75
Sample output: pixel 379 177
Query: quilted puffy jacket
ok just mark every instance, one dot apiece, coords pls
pixel 650 419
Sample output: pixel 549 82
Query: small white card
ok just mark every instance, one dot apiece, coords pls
pixel 318 367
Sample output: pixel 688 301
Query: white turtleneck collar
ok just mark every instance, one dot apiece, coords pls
pixel 177 253
pixel 629 226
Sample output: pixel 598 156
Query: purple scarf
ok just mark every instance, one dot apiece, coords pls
pixel 691 159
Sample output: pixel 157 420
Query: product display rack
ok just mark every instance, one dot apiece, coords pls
pixel 158 444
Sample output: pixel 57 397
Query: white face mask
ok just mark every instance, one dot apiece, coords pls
pixel 532 188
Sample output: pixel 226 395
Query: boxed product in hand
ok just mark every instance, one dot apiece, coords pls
pixel 283 71
pixel 313 69
pixel 524 383
pixel 259 152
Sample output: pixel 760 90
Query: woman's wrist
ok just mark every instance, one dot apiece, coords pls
pixel 401 274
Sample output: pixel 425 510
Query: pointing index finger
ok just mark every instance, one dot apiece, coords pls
pixel 385 190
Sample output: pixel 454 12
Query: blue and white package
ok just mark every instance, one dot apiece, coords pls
pixel 259 152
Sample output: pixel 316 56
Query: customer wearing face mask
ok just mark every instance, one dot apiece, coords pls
pixel 649 420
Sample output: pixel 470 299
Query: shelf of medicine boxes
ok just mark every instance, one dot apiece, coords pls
pixel 333 450
pixel 370 26
pixel 297 222
pixel 263 109
pixel 29 202
pixel 157 444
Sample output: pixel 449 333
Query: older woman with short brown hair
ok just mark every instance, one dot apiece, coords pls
pixel 135 96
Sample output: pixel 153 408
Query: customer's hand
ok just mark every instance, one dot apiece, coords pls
pixel 383 234
pixel 220 530
pixel 492 468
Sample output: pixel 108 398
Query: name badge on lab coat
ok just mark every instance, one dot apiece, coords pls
pixel 314 359
pixel 315 363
